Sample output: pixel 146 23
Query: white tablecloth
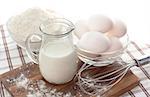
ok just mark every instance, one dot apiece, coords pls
pixel 12 56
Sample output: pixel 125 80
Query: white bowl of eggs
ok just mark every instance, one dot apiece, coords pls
pixel 100 39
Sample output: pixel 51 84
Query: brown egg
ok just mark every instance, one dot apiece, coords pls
pixel 119 29
pixel 116 45
pixel 94 42
pixel 81 27
pixel 100 23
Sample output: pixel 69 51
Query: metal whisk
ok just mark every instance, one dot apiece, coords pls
pixel 94 80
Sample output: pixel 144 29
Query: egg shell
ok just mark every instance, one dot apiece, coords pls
pixel 94 42
pixel 100 23
pixel 81 27
pixel 116 44
pixel 119 29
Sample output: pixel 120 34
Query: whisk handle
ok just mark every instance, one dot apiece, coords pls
pixel 143 61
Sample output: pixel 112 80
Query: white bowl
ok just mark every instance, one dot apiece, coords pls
pixel 20 38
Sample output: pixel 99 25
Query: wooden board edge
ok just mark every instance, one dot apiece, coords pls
pixel 135 80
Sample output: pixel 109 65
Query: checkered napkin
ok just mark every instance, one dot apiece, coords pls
pixel 12 56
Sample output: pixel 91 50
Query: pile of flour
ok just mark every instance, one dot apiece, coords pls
pixel 28 22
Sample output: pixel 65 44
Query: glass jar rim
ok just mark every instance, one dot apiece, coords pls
pixel 54 21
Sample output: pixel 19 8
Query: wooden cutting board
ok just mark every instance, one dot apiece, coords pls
pixel 127 83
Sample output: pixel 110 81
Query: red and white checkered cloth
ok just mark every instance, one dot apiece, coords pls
pixel 12 56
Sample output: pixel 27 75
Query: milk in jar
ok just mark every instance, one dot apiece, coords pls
pixel 57 57
pixel 58 62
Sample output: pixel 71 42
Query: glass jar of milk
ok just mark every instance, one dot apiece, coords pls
pixel 57 57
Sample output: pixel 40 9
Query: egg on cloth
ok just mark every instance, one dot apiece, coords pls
pixel 119 29
pixel 116 44
pixel 100 23
pixel 81 27
pixel 94 42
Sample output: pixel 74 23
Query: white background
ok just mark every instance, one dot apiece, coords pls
pixel 135 13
